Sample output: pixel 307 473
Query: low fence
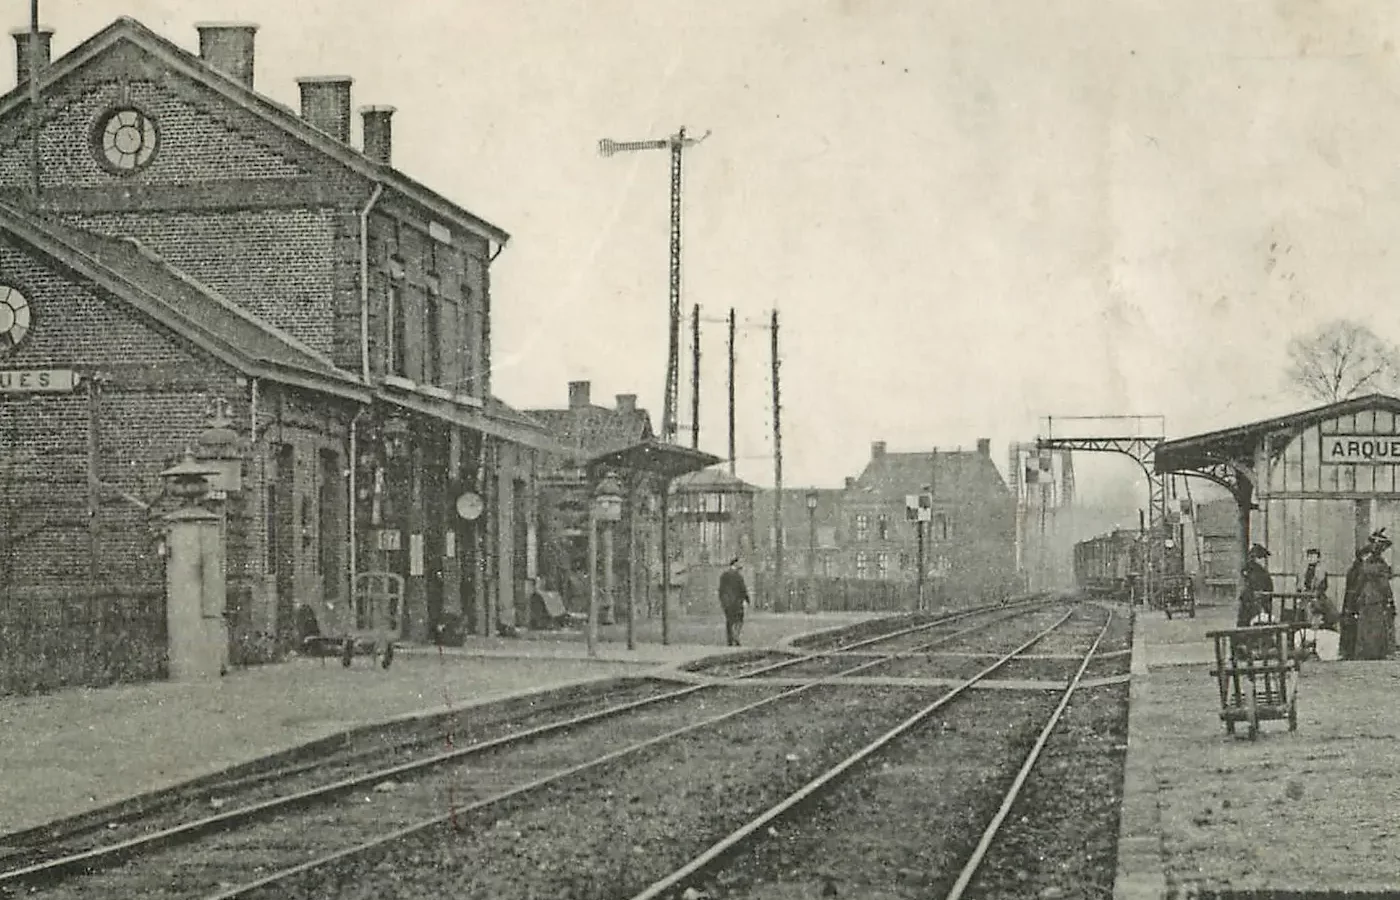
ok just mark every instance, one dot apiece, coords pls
pixel 48 644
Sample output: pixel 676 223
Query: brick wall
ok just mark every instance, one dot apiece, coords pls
pixel 275 263
pixel 192 142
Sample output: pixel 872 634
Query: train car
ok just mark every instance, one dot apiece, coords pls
pixel 1107 566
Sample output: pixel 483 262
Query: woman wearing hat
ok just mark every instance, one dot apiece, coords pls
pixel 1375 623
pixel 1257 582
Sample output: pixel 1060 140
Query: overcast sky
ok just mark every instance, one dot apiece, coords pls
pixel 970 214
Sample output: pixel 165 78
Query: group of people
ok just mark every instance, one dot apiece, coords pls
pixel 1365 623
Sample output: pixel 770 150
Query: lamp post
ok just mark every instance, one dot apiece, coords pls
pixel 606 507
pixel 812 497
pixel 924 517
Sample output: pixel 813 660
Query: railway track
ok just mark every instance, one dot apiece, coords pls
pixel 702 868
pixel 382 800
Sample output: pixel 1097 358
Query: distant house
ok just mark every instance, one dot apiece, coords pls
pixel 584 431
pixel 862 531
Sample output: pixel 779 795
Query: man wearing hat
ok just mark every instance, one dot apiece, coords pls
pixel 733 597
pixel 1257 582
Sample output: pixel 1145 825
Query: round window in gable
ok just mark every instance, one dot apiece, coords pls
pixel 126 139
pixel 14 318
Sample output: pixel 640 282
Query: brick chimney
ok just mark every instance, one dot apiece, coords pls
pixel 228 48
pixel 627 403
pixel 578 394
pixel 378 133
pixel 984 447
pixel 21 36
pixel 877 449
pixel 325 104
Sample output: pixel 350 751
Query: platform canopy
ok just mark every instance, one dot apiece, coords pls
pixel 655 458
pixel 1222 455
pixel 1319 478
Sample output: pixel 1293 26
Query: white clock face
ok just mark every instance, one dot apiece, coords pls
pixel 128 139
pixel 14 317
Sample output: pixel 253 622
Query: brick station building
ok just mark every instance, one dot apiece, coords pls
pixel 195 245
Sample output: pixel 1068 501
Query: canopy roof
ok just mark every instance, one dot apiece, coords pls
pixel 654 457
pixel 1242 441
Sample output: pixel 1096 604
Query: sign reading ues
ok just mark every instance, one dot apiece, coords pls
pixel 37 381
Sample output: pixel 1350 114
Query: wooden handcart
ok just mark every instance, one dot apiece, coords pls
pixel 1178 595
pixel 1253 667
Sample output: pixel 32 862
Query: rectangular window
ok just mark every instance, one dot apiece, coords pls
pixel 396 362
pixel 940 527
pixel 862 565
pixel 432 338
pixel 882 565
pixel 883 527
pixel 862 527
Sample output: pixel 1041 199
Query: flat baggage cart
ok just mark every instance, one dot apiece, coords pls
pixel 1254 668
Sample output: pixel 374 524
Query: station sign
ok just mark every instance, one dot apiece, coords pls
pixel 1361 449
pixel 37 381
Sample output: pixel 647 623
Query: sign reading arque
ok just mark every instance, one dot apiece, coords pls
pixel 1362 449
pixel 37 381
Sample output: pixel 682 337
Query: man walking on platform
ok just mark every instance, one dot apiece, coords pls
pixel 733 597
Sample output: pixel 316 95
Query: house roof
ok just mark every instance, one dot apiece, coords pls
pixel 589 431
pixel 1241 441
pixel 278 115
pixel 140 278
pixel 713 479
pixel 891 476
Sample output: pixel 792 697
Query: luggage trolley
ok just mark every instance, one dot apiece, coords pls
pixel 1252 667
pixel 378 599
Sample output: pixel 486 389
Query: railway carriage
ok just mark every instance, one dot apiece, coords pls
pixel 1107 566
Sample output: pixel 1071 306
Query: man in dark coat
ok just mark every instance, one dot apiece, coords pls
pixel 733 597
pixel 1257 581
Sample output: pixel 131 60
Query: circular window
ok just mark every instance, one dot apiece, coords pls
pixel 14 317
pixel 126 139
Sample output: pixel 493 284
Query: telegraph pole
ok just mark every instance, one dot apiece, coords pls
pixel 732 454
pixel 676 143
pixel 695 377
pixel 780 586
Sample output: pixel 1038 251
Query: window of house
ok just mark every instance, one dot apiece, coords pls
pixel 882 527
pixel 862 527
pixel 904 560
pixel 397 345
pixel 432 339
pixel 882 565
pixel 940 527
pixel 862 565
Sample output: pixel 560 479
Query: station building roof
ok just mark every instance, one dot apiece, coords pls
pixel 1240 442
pixel 654 457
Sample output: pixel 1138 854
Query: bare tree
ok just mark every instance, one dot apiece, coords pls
pixel 1342 359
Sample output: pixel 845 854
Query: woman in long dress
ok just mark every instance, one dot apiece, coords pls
pixel 1350 595
pixel 1375 624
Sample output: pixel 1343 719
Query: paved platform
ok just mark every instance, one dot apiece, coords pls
pixel 73 751
pixel 1310 813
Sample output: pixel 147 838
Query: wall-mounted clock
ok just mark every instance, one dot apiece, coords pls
pixel 14 317
pixel 126 139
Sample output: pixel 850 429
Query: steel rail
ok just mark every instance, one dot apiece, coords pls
pixel 110 854
pixel 731 841
pixel 975 861
pixel 274 878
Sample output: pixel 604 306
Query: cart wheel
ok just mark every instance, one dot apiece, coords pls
pixel 1293 713
pixel 1253 708
pixel 347 652
pixel 388 655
